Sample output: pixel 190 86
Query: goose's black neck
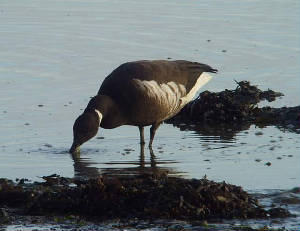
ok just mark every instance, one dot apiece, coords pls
pixel 112 116
pixel 100 102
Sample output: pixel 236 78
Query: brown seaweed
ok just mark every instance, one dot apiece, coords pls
pixel 238 108
pixel 144 197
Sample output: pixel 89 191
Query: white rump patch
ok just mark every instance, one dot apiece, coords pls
pixel 203 79
pixel 99 115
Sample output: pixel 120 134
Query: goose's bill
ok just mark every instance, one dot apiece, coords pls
pixel 75 148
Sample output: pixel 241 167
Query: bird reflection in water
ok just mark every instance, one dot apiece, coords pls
pixel 83 168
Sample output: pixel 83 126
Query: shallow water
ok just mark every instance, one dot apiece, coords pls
pixel 55 54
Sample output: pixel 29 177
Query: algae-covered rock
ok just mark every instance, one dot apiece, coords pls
pixel 238 108
pixel 144 197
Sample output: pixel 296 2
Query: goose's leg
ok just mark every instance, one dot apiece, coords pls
pixel 152 132
pixel 142 139
pixel 142 155
pixel 152 158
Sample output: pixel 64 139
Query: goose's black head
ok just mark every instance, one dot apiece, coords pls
pixel 85 127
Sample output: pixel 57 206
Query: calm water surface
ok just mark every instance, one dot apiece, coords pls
pixel 55 54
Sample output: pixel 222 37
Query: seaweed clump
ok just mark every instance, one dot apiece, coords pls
pixel 233 107
pixel 146 197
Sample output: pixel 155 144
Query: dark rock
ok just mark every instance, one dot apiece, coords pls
pixel 48 145
pixel 278 213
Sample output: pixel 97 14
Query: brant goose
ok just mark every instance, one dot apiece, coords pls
pixel 140 93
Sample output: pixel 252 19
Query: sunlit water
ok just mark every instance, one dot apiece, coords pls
pixel 55 54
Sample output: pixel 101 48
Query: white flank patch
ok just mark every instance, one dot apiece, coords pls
pixel 99 115
pixel 201 81
pixel 166 94
pixel 171 95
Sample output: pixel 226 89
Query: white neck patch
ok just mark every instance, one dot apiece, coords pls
pixel 99 115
